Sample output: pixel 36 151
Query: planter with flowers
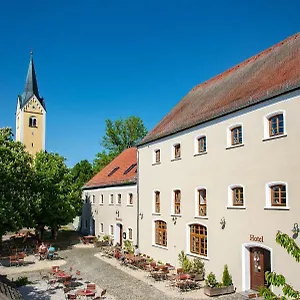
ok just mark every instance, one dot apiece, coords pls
pixel 215 288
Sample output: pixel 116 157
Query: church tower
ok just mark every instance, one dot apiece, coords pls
pixel 31 114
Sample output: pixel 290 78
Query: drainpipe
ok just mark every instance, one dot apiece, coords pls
pixel 138 202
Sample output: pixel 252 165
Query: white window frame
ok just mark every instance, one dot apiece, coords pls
pixel 173 151
pixel 153 202
pixel 130 239
pixel 229 141
pixel 33 118
pixel 101 200
pixel 128 199
pixel 197 203
pixel 117 202
pixel 109 230
pixel 268 196
pixel 111 199
pixel 93 199
pixel 196 152
pixel 154 156
pixel 188 250
pixel 173 202
pixel 153 233
pixel 101 229
pixel 267 128
pixel 230 198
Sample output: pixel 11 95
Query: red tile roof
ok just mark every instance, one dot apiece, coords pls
pixel 265 75
pixel 122 170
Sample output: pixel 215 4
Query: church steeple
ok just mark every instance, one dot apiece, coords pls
pixel 31 86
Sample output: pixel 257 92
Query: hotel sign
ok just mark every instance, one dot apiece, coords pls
pixel 254 238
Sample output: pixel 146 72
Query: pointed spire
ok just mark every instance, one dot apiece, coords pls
pixel 31 87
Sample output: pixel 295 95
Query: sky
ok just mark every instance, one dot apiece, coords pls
pixel 98 60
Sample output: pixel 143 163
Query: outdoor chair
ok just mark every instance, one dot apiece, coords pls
pixel 13 260
pixel 102 295
pixel 71 296
pixel 21 257
pixel 91 286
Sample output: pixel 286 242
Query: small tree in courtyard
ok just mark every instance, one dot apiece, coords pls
pixel 279 280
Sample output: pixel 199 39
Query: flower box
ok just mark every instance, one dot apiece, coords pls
pixel 217 291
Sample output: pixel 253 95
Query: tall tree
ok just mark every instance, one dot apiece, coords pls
pixel 279 280
pixel 16 184
pixel 119 135
pixel 58 202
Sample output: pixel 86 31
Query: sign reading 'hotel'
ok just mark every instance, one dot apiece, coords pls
pixel 254 238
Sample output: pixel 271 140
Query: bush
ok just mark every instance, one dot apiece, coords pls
pixel 198 266
pixel 184 262
pixel 211 280
pixel 128 246
pixel 105 238
pixel 226 279
pixel 21 281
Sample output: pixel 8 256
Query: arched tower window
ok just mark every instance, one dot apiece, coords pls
pixel 32 122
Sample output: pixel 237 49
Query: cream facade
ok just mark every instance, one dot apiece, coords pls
pixel 111 211
pixel 243 235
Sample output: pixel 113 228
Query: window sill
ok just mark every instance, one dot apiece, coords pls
pixel 236 207
pixel 129 205
pixel 235 146
pixel 160 247
pixel 111 204
pixel 201 217
pixel 156 214
pixel 275 137
pixel 175 159
pixel 156 163
pixel 198 256
pixel 276 208
pixel 101 204
pixel 118 204
pixel 200 153
pixel 176 215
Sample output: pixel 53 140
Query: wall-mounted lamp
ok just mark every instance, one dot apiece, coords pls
pixel 117 213
pixel 223 223
pixel 295 230
pixel 141 215
pixel 174 219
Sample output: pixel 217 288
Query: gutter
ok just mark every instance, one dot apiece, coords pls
pixel 138 204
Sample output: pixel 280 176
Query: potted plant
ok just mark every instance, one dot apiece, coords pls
pixel 198 269
pixel 195 268
pixel 184 262
pixel 97 242
pixel 128 246
pixel 215 288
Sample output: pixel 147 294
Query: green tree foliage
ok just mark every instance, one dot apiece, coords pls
pixel 119 135
pixel 226 279
pixel 16 184
pixel 58 201
pixel 279 280
pixel 81 173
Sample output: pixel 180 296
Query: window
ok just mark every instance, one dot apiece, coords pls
pixel 161 233
pixel 86 223
pixel 157 156
pixel 198 239
pixel 177 151
pixel 236 135
pixel 113 171
pixel 119 198
pixel 237 196
pixel 101 199
pixel 101 227
pixel 130 198
pixel 32 145
pixel 32 122
pixel 202 211
pixel 129 233
pixel 130 168
pixel 276 125
pixel 111 229
pixel 111 199
pixel 278 195
pixel 177 200
pixel 93 199
pixel 201 144
pixel 157 202
pixel 86 198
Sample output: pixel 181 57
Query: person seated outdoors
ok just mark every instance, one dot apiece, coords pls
pixel 137 251
pixel 51 251
pixel 42 251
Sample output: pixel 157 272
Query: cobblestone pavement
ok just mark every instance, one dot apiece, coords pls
pixel 118 283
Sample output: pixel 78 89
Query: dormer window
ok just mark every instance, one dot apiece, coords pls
pixel 32 122
pixel 113 171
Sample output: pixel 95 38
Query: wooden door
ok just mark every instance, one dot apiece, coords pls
pixel 121 235
pixel 257 268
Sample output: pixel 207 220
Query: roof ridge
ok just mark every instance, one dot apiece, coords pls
pixel 247 61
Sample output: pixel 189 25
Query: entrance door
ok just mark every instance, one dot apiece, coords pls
pixel 257 267
pixel 121 234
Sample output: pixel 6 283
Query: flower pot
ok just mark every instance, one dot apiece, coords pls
pixel 217 291
pixel 199 277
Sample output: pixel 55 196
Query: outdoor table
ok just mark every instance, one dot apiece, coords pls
pixel 89 238
pixel 63 275
pixel 85 293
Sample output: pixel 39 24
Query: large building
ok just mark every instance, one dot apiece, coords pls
pixel 31 114
pixel 219 175
pixel 110 200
